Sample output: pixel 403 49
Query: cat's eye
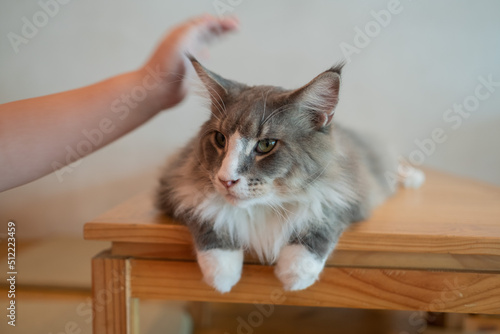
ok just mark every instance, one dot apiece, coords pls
pixel 220 139
pixel 265 145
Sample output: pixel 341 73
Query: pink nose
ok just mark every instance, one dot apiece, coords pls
pixel 228 184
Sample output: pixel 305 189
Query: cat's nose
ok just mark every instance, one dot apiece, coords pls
pixel 228 183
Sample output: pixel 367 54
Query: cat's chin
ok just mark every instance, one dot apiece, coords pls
pixel 240 202
pixel 236 201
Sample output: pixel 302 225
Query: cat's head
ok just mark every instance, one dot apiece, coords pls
pixel 263 143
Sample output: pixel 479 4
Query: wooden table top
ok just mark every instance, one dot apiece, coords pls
pixel 447 215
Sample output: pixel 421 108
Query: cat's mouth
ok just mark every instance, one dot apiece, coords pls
pixel 229 194
pixel 233 199
pixel 234 196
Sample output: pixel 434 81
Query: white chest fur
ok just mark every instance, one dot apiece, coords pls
pixel 264 229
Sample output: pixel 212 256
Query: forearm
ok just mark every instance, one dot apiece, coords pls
pixel 44 134
pixel 39 135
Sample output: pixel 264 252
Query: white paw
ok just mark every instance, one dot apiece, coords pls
pixel 221 268
pixel 411 177
pixel 297 268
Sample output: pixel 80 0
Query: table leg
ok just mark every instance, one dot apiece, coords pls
pixel 111 294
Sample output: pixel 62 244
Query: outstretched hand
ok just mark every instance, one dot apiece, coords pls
pixel 46 134
pixel 194 37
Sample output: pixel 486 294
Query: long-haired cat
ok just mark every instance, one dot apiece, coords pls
pixel 272 173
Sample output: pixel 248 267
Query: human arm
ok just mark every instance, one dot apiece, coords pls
pixel 36 134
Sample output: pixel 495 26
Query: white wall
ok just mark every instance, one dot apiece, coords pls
pixel 400 85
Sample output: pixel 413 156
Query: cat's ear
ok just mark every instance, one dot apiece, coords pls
pixel 218 87
pixel 320 96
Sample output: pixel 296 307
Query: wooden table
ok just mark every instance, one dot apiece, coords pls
pixel 436 249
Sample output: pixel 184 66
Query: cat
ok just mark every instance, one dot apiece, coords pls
pixel 272 173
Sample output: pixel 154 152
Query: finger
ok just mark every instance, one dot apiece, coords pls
pixel 213 28
pixel 215 25
pixel 223 25
pixel 229 23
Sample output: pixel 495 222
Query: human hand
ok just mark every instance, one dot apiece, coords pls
pixel 169 59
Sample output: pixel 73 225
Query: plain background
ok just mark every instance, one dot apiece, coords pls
pixel 428 58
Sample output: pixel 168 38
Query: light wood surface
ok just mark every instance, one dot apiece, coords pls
pixel 340 258
pixel 447 215
pixel 438 291
pixel 111 295
pixel 436 249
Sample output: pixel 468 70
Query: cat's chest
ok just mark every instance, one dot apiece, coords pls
pixel 262 229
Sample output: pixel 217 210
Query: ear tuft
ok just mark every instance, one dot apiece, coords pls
pixel 213 82
pixel 320 96
pixel 337 68
pixel 218 88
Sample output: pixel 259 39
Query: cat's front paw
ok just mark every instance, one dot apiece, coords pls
pixel 297 268
pixel 221 268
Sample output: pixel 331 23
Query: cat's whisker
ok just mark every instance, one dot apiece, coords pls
pixel 221 101
pixel 217 106
pixel 277 211
pixel 282 209
pixel 284 213
pixel 321 172
pixel 308 181
pixel 287 212
pixel 220 106
pixel 202 90
pixel 290 225
pixel 216 117
pixel 182 77
pixel 277 111
pixel 208 108
pixel 290 204
pixel 265 104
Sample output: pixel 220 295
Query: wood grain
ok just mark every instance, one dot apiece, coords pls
pixel 338 287
pixel 110 294
pixel 447 215
pixel 435 249
pixel 340 258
